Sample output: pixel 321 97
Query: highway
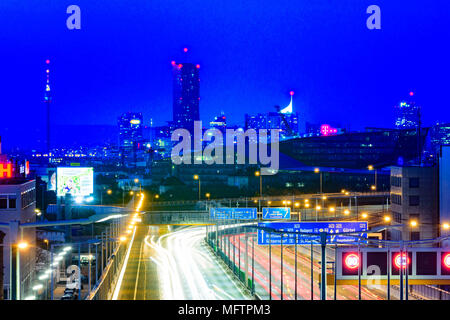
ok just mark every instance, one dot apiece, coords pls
pixel 262 279
pixel 174 263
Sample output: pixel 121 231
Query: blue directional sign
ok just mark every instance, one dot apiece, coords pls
pixel 233 213
pixel 244 213
pixel 276 213
pixel 223 213
pixel 332 227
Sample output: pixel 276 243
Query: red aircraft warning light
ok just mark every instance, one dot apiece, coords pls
pixel 411 93
pixel 352 261
pixel 185 49
pixel 291 93
pixel 401 261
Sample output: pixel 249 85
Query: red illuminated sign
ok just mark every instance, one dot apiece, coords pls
pixel 446 260
pixel 5 170
pixel 352 261
pixel 327 130
pixel 400 260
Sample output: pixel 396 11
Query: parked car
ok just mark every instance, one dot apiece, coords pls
pixel 69 296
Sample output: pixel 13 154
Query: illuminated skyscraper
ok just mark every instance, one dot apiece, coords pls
pixel 439 136
pixel 186 95
pixel 130 136
pixel 47 101
pixel 284 119
pixel 407 114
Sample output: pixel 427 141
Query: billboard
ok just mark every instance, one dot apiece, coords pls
pixel 334 228
pixel 77 181
pixel 51 185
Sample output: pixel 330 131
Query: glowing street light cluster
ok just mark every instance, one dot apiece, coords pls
pixel 38 286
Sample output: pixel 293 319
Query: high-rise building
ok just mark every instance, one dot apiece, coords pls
pixel 407 114
pixel 48 101
pixel 285 119
pixel 219 122
pixel 130 136
pixel 186 95
pixel 439 136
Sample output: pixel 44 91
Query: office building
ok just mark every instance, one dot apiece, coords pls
pixel 17 203
pixel 407 114
pixel 130 137
pixel 186 95
pixel 415 202
pixel 439 136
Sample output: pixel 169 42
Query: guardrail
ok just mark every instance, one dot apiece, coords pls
pixel 105 286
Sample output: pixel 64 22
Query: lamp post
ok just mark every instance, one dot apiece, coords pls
pixel 196 177
pixel 374 186
pixel 258 174
pixel 317 170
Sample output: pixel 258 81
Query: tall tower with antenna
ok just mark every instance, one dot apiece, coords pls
pixel 48 101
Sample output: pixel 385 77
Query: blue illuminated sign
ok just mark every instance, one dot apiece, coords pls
pixel 244 213
pixel 332 227
pixel 276 213
pixel 233 213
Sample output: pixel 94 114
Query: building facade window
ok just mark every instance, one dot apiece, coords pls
pixel 414 201
pixel 8 201
pixel 397 217
pixel 414 182
pixel 396 199
pixel 28 198
pixel 396 181
pixel 415 235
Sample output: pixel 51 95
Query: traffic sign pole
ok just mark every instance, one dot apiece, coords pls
pixel 323 286
pixel 295 248
pixel 401 271
pixel 389 273
pixel 406 273
pixel 253 265
pixel 281 276
pixel 270 266
pixel 312 271
pixel 335 271
pixel 359 270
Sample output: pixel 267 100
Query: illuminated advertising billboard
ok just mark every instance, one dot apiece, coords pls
pixel 51 185
pixel 77 181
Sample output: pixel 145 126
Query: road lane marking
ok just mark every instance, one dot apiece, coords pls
pixel 122 272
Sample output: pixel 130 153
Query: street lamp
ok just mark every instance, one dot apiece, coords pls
pixel 258 174
pixel 364 215
pixel 387 219
pixel 446 226
pixel 317 170
pixel 196 177
pixel 371 168
pixel 346 212
pixel 413 223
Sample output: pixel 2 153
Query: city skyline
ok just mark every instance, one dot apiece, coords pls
pixel 248 71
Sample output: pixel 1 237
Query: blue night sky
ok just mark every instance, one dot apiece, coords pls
pixel 251 53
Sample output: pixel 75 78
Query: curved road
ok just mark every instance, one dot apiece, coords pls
pixel 168 263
